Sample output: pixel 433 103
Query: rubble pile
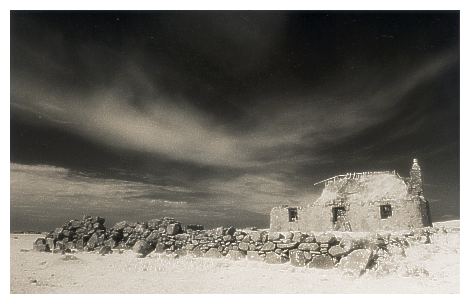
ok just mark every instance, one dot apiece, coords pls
pixel 167 236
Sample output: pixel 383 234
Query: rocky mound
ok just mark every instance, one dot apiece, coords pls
pixel 353 254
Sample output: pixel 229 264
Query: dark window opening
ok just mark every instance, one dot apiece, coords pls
pixel 385 211
pixel 338 212
pixel 292 214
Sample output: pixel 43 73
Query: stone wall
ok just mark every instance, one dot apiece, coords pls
pixel 170 237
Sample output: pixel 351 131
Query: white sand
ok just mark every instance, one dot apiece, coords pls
pixel 34 272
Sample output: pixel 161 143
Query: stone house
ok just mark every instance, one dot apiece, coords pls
pixel 367 201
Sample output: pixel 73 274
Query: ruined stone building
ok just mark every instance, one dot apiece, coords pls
pixel 367 201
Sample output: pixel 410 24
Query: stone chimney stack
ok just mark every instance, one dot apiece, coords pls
pixel 416 183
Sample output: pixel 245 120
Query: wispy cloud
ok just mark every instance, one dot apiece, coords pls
pixel 174 128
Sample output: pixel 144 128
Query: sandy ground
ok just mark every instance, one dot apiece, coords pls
pixel 432 268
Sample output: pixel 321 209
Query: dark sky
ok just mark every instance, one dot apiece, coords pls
pixel 215 117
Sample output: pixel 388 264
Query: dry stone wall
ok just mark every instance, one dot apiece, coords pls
pixel 170 237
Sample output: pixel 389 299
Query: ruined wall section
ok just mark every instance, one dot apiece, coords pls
pixel 360 199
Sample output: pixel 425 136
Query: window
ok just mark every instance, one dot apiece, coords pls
pixel 338 212
pixel 292 214
pixel 385 211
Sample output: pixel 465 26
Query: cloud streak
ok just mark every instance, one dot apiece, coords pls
pixel 175 129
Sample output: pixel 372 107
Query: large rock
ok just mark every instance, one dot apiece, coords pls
pixel 338 251
pixel 153 237
pixel 326 238
pixel 235 255
pixel 173 229
pixel 74 224
pixel 230 231
pixel 349 244
pixel 321 262
pixel 274 258
pixel 93 241
pixel 297 258
pixel 244 246
pixel 309 247
pixel 105 250
pixel 269 246
pixel 275 236
pixel 255 236
pixel 40 245
pixel 356 262
pixel 213 253
pixel 142 247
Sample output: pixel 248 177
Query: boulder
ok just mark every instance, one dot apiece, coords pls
pixel 326 238
pixel 173 229
pixel 197 252
pixel 275 236
pixel 338 251
pixel 142 248
pixel 235 255
pixel 356 262
pixel 308 246
pixel 297 258
pixel 230 231
pixel 244 246
pixel 298 237
pixel 75 224
pixel 269 246
pixel 213 253
pixel 349 244
pixel 310 239
pixel 153 237
pixel 105 250
pixel 57 234
pixel 40 245
pixel 110 242
pixel 321 262
pixel 92 242
pixel 308 255
pixel 274 258
pixel 255 236
pixel 288 235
